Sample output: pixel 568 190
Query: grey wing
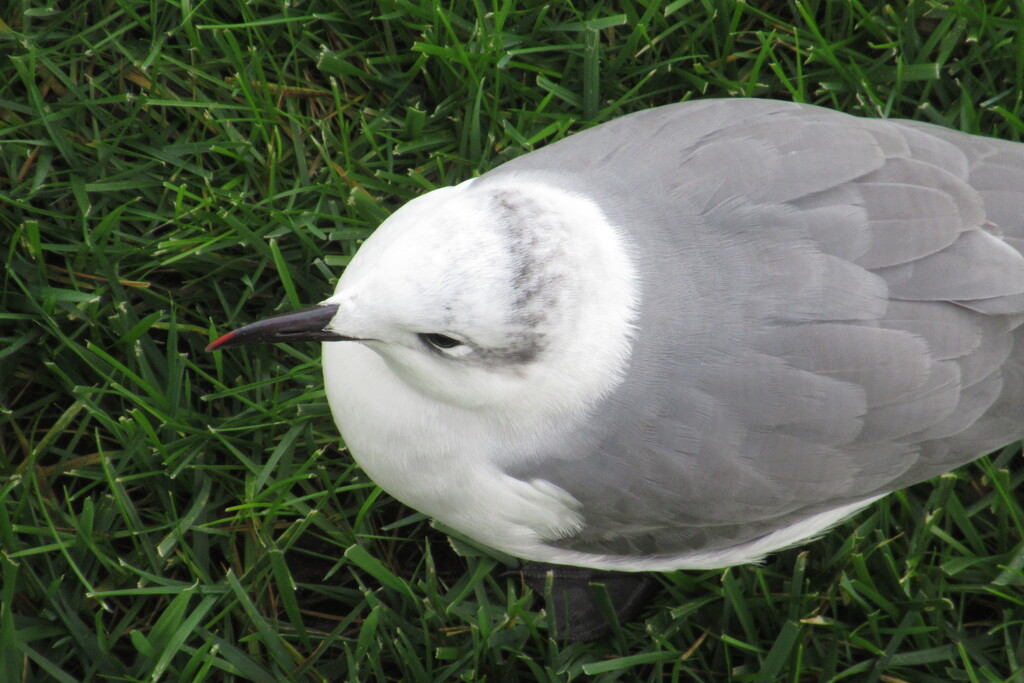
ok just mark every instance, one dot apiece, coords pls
pixel 831 312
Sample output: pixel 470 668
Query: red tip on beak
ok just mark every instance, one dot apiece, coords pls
pixel 221 341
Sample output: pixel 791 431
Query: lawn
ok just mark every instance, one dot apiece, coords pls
pixel 169 171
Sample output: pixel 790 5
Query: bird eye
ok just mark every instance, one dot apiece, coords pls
pixel 439 341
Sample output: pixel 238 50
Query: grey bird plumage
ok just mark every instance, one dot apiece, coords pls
pixel 827 309
pixel 835 314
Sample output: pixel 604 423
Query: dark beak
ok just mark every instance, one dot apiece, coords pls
pixel 303 325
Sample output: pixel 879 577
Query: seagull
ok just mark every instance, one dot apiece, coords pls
pixel 685 338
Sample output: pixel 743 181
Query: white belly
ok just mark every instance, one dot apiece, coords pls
pixel 439 459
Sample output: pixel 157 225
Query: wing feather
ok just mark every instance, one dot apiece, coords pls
pixel 832 310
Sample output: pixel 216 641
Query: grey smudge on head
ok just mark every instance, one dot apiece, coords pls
pixel 536 247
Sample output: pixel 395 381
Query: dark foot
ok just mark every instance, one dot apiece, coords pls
pixel 573 602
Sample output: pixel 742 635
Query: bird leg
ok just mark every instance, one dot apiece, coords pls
pixel 573 597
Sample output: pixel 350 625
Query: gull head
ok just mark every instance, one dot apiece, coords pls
pixel 482 295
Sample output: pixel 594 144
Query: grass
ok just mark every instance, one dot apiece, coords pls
pixel 169 171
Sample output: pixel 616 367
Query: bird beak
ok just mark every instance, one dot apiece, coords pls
pixel 307 324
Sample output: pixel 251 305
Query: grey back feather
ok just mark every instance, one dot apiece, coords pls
pixel 831 310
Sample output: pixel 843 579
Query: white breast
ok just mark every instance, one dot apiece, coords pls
pixel 438 459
